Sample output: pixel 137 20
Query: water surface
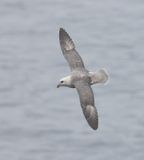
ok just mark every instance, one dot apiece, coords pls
pixel 39 121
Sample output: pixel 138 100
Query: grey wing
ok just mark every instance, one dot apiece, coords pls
pixel 68 48
pixel 87 103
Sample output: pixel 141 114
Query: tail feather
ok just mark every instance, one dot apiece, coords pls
pixel 101 76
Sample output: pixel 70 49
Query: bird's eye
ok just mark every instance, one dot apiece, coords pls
pixel 61 81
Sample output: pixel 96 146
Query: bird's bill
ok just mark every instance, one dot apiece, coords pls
pixel 58 85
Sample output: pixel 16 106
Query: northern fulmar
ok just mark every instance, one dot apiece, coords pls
pixel 80 78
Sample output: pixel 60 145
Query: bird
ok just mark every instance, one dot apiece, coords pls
pixel 80 78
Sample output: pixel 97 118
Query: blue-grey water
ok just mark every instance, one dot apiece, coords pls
pixel 39 121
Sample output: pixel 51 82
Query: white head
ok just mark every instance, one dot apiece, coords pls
pixel 66 82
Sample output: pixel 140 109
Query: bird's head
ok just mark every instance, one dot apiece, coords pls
pixel 65 82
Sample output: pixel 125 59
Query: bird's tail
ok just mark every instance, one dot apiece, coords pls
pixel 65 40
pixel 100 76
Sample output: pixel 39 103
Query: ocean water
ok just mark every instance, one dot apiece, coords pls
pixel 39 121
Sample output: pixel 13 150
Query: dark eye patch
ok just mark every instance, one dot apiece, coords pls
pixel 61 81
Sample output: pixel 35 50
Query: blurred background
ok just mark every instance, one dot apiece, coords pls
pixel 39 121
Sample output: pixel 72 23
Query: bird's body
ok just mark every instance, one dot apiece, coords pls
pixel 80 78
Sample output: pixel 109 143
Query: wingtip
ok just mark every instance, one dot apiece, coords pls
pixel 61 30
pixel 93 125
pixel 65 40
pixel 91 116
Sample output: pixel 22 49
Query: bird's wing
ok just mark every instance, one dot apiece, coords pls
pixel 68 48
pixel 87 103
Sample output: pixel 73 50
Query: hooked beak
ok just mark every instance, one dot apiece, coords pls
pixel 58 85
